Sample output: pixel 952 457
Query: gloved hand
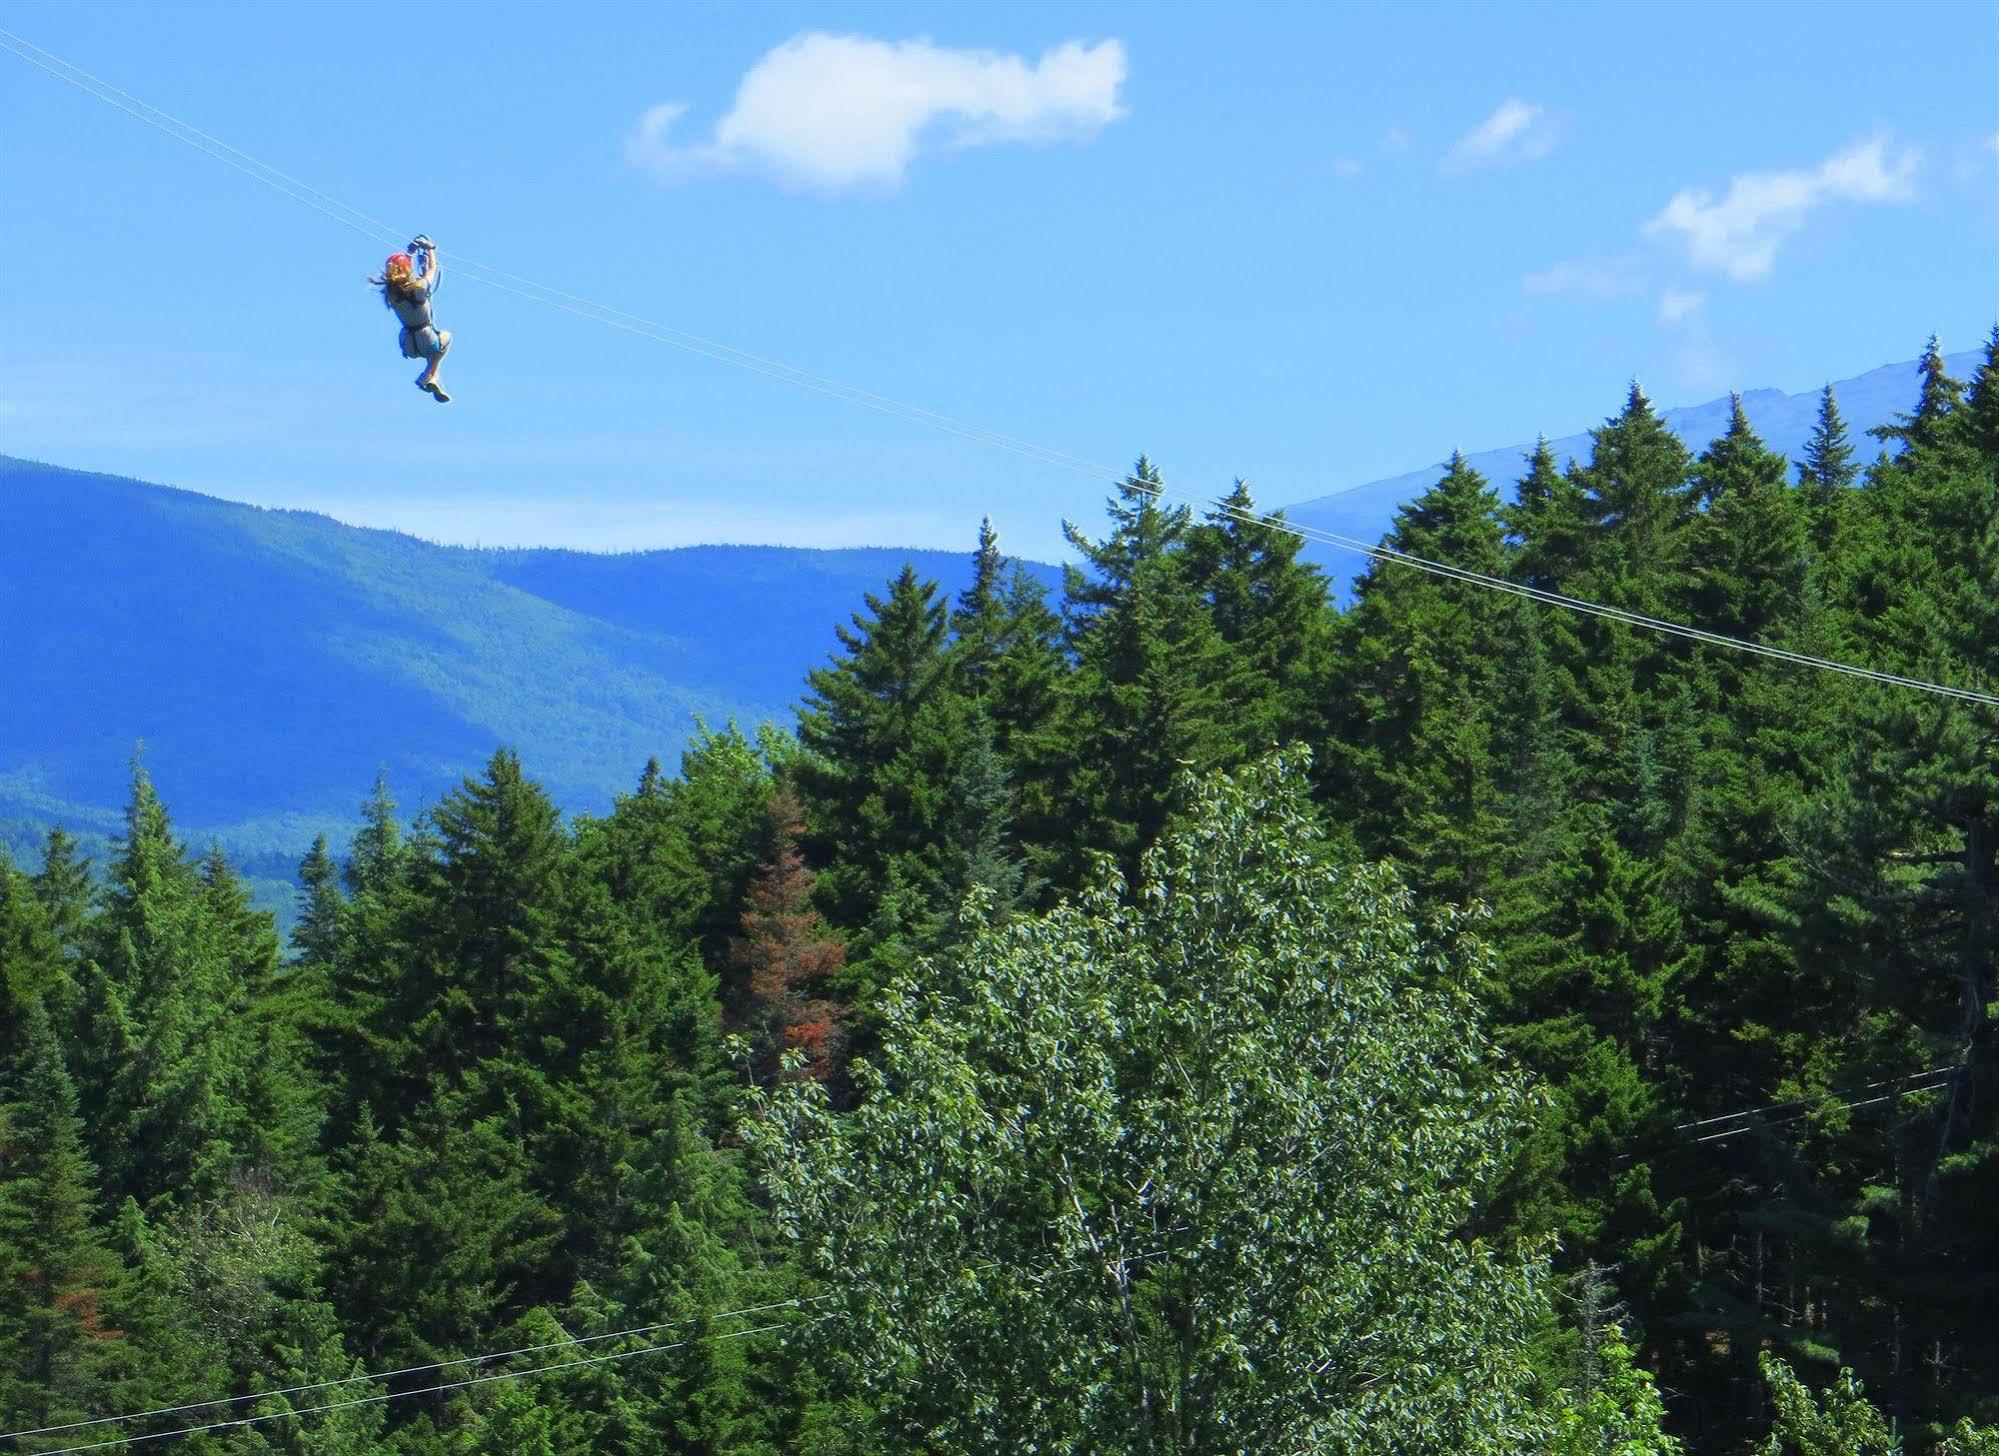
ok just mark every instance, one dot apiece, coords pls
pixel 420 241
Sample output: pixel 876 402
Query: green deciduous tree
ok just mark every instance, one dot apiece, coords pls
pixel 1187 1172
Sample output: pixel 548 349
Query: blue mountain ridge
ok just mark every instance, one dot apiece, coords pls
pixel 272 661
pixel 1366 512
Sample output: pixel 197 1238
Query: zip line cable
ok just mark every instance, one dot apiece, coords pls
pixel 563 1344
pixel 1930 1080
pixel 1914 1085
pixel 6 35
pixel 634 324
pixel 100 82
pixel 567 1342
pixel 386 1397
pixel 298 191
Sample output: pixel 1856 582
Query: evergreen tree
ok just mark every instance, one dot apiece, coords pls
pixel 1826 473
pixel 1927 427
pixel 636 923
pixel 58 1283
pixel 879 728
pixel 33 973
pixel 441 1241
pixel 979 635
pixel 1547 523
pixel 378 844
pixel 318 936
pixel 68 892
pixel 1155 685
pixel 1978 420
pixel 1632 737
pixel 1747 544
pixel 1023 708
pixel 1417 711
pixel 981 855
pixel 164 1047
pixel 1634 500
pixel 486 937
pixel 1270 608
pixel 1143 530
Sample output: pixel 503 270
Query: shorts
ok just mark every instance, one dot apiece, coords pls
pixel 424 343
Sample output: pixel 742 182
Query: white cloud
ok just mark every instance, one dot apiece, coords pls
pixel 1597 278
pixel 1519 131
pixel 1740 234
pixel 842 111
pixel 1680 305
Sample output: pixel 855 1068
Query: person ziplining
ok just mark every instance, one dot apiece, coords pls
pixel 407 282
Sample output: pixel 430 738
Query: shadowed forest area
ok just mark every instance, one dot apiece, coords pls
pixel 1181 1014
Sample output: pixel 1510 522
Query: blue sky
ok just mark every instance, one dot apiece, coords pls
pixel 1308 245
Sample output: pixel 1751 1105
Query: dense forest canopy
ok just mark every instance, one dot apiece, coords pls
pixel 1187 1015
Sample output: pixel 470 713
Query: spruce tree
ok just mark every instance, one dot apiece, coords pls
pixel 879 728
pixel 1024 710
pixel 68 892
pixel 979 620
pixel 1416 705
pixel 378 844
pixel 1270 608
pixel 726 780
pixel 1143 530
pixel 1826 472
pixel 33 973
pixel 982 855
pixel 58 1283
pixel 1629 737
pixel 1154 688
pixel 1978 420
pixel 318 936
pixel 1927 427
pixel 1746 546
pixel 165 1046
pixel 1546 523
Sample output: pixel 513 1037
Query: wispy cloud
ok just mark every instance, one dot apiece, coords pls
pixel 1680 306
pixel 845 111
pixel 1739 234
pixel 1519 131
pixel 1598 278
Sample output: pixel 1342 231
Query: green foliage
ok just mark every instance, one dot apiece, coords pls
pixel 1190 1172
pixel 1415 698
pixel 1134 1103
pixel 1838 1423
pixel 1617 1413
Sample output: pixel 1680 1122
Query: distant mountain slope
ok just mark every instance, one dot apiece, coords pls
pixel 272 661
pixel 1784 421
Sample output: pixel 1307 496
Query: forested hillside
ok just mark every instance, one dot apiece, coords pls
pixel 269 660
pixel 1186 1013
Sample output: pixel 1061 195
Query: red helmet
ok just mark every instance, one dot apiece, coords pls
pixel 398 267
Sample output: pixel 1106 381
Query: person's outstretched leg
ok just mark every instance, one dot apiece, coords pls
pixel 428 379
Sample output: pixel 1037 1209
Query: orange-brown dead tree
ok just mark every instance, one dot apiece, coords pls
pixel 786 958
